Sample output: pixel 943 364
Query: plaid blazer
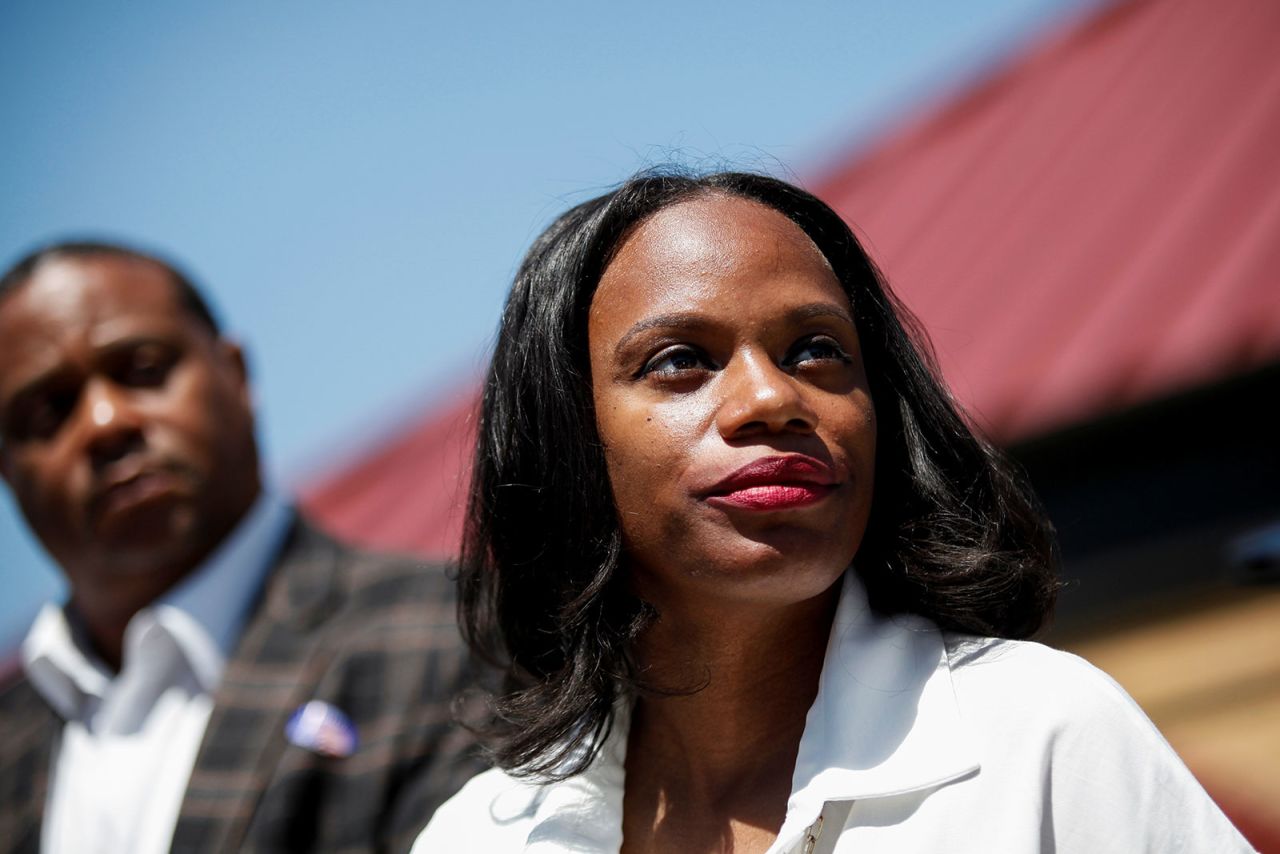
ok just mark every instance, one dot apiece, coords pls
pixel 373 635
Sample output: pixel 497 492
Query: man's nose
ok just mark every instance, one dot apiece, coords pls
pixel 110 423
pixel 762 397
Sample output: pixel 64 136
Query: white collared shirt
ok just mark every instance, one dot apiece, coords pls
pixel 917 741
pixel 121 765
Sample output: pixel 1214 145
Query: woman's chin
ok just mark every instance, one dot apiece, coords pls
pixel 755 573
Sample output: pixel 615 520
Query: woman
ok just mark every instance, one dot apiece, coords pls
pixel 743 564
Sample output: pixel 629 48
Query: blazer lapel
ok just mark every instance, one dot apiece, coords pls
pixel 276 667
pixel 31 729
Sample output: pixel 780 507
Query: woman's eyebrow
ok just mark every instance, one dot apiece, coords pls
pixel 693 322
pixel 677 321
pixel 820 309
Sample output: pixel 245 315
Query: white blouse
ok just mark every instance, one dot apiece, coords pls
pixel 918 741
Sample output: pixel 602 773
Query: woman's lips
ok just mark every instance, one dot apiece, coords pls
pixel 775 483
pixel 774 497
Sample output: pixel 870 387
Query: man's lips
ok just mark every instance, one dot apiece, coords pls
pixel 775 483
pixel 131 489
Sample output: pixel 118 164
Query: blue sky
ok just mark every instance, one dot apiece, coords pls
pixel 354 183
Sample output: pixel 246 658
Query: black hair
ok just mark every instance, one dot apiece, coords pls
pixel 955 533
pixel 189 296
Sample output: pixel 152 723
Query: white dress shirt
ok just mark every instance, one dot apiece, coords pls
pixel 918 741
pixel 121 765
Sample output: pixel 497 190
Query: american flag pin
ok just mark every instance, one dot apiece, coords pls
pixel 322 728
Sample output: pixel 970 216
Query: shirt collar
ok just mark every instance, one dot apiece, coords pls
pixel 885 721
pixel 584 812
pixel 216 598
pixel 53 660
pixel 203 614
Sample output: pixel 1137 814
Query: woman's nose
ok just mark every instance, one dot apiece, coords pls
pixel 759 396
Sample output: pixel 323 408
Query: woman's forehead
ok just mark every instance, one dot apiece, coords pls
pixel 714 231
pixel 713 255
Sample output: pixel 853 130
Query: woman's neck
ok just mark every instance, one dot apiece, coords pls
pixel 710 769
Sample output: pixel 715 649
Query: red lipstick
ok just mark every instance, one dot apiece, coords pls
pixel 775 483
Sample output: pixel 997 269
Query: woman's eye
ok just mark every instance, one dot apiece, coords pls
pixel 674 361
pixel 819 348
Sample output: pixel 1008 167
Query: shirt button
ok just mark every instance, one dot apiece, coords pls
pixel 811 835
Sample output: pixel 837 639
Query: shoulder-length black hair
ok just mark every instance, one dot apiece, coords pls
pixel 955 534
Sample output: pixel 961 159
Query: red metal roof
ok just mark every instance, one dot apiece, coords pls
pixel 408 494
pixel 1095 225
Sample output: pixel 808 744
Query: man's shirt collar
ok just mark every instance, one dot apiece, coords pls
pixel 202 615
pixel 215 600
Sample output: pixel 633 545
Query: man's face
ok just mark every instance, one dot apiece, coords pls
pixel 126 432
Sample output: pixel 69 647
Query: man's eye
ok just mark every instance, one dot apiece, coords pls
pixel 818 348
pixel 42 418
pixel 674 361
pixel 147 367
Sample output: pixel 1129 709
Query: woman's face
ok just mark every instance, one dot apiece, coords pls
pixel 731 398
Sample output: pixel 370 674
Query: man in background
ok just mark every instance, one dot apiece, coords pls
pixel 224 676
